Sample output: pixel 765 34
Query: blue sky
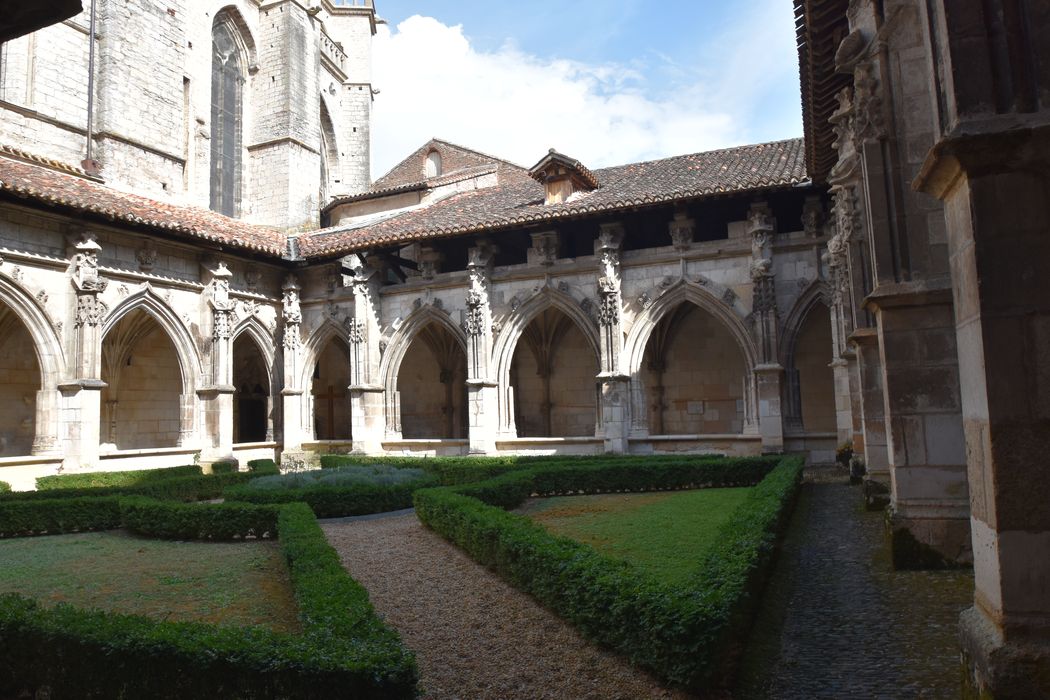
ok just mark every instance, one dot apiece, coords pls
pixel 607 81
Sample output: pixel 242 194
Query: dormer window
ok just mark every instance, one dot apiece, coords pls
pixel 432 168
pixel 562 177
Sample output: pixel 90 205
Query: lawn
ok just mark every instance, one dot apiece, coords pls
pixel 237 583
pixel 664 533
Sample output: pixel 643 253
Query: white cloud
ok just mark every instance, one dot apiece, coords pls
pixel 515 105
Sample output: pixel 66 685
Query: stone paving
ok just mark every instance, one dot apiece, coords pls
pixel 838 622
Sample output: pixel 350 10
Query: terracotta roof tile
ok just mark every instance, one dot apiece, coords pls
pixel 55 185
pixel 519 200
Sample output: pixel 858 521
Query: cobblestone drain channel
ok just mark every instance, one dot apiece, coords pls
pixel 838 622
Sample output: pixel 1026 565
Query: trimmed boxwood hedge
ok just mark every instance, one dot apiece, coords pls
pixel 200 487
pixel 138 477
pixel 41 516
pixel 464 470
pixel 686 634
pixel 330 500
pixel 191 521
pixel 345 650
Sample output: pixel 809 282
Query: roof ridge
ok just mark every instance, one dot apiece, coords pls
pixel 476 152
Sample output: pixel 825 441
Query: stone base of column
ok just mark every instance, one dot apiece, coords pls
pixel 930 541
pixel 481 404
pixel 616 419
pixel 996 668
pixel 368 421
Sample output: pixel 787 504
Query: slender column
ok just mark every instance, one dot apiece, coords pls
pixel 217 397
pixel 292 393
pixel 81 397
pixel 481 387
pixel 614 384
pixel 872 416
pixel 367 399
pixel 768 373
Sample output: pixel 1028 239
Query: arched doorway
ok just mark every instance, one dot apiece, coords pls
pixel 142 399
pixel 431 383
pixel 19 383
pixel 816 381
pixel 553 375
pixel 252 407
pixel 695 375
pixel 330 394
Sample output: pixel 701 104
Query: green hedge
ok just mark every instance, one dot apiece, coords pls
pixel 201 487
pixel 190 521
pixel 345 650
pixel 684 634
pixel 464 470
pixel 103 479
pixel 5 487
pixel 52 517
pixel 336 501
pixel 224 467
pixel 263 466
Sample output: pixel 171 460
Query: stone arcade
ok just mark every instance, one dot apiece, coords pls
pixel 166 291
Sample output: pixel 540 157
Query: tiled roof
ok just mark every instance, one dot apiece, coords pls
pixel 519 200
pixel 59 186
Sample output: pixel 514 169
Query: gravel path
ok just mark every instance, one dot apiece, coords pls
pixel 474 635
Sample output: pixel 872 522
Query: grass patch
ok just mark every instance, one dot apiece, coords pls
pixel 664 533
pixel 227 584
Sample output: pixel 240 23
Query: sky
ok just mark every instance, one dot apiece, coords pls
pixel 605 81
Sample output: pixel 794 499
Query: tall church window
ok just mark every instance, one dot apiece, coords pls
pixel 227 81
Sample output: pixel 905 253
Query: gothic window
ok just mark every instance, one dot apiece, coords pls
pixel 433 165
pixel 227 80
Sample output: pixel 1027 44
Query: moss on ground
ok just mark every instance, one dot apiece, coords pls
pixel 665 533
pixel 225 583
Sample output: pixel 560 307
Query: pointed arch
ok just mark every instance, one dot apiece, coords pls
pixel 266 344
pixel 816 294
pixel 400 342
pixel 315 344
pixel 507 342
pixel 684 292
pixel 47 344
pixel 147 300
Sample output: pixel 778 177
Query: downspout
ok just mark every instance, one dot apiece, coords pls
pixel 89 164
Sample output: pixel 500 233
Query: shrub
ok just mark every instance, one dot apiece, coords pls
pixel 103 479
pixel 224 467
pixel 188 521
pixel 187 488
pixel 5 487
pixel 685 633
pixel 338 492
pixel 52 517
pixel 263 466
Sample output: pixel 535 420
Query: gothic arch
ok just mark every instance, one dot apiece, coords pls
pixel 402 339
pixel 264 341
pixel 646 322
pixel 242 33
pixel 813 295
pixel 315 344
pixel 507 341
pixel 642 328
pixel 46 342
pixel 148 301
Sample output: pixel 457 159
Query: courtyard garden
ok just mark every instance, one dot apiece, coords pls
pixel 225 584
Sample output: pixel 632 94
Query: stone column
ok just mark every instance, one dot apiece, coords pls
pixel 482 398
pixel 367 400
pixel 872 407
pixel 81 397
pixel 614 385
pixel 768 372
pixel 995 187
pixel 292 393
pixel 217 397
